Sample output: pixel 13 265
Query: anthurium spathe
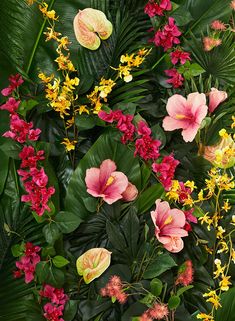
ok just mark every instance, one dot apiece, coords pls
pixel 186 114
pixel 91 25
pixel 106 182
pixel 93 263
pixel 169 226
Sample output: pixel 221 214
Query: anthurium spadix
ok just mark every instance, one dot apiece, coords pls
pixel 91 25
pixel 93 263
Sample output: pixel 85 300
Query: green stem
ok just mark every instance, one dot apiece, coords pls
pixel 38 39
pixel 158 62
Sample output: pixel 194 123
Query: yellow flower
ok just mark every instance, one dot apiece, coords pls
pixel 69 123
pixel 233 124
pixel 93 263
pixel 30 2
pixel 224 283
pixel 205 317
pixel 64 62
pixel 191 185
pixel 226 207
pixel 44 78
pixel 52 34
pixel 69 145
pixel 213 298
pixel 219 269
pixel 63 43
pixel 223 133
pixel 233 255
pixel 70 83
pixel 105 87
pixel 82 109
pixel 49 14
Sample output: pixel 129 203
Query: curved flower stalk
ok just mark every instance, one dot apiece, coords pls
pixel 91 25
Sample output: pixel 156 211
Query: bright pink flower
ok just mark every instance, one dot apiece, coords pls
pixel 15 82
pixel 30 157
pixel 147 147
pixel 185 274
pixel 190 218
pixel 166 169
pixel 106 182
pixel 179 55
pixel 186 114
pixel 21 131
pixel 56 296
pixel 159 311
pixel 130 193
pixel 52 312
pixel 166 5
pixel 111 117
pixel 176 79
pixel 27 263
pixel 143 128
pixel 218 25
pixel 168 37
pixel 169 226
pixel 216 97
pixel 152 9
pixel 11 105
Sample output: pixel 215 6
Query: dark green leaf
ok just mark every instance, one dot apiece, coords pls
pixel 148 198
pixel 163 263
pixel 70 310
pixel 67 221
pixel 156 287
pixel 51 233
pixel 174 302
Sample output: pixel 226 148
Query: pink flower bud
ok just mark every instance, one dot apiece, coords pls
pixel 130 193
pixel 216 97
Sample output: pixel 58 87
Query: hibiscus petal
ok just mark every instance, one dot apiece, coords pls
pixel 93 182
pixel 176 105
pixel 190 133
pixel 107 167
pixel 170 124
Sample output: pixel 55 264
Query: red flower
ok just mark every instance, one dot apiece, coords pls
pixel 176 78
pixel 168 36
pixel 11 105
pixel 153 9
pixel 179 55
pixel 15 82
pixel 166 169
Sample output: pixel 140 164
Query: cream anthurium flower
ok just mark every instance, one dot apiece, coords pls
pixel 91 25
pixel 93 263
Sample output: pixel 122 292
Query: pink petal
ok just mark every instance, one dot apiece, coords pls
pixel 190 133
pixel 216 97
pixel 106 168
pixel 130 193
pixel 175 245
pixel 93 182
pixel 176 104
pixel 114 191
pixel 170 123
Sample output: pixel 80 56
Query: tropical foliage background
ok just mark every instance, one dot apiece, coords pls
pixel 125 229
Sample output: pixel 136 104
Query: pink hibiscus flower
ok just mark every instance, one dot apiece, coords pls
pixel 169 226
pixel 106 182
pixel 187 114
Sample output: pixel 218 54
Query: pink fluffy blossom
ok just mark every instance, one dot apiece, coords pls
pixel 11 105
pixel 159 311
pixel 216 97
pixel 166 170
pixel 176 79
pixel 106 182
pixel 15 82
pixel 168 36
pixel 209 43
pixel 114 288
pixel 179 55
pixel 186 114
pixel 218 25
pixel 169 226
pixel 185 274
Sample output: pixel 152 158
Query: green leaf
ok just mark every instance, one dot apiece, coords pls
pixel 148 299
pixel 191 70
pixel 26 106
pixel 11 148
pixel 227 312
pixel 148 198
pixel 115 236
pixel 59 261
pixel 183 289
pixel 67 221
pixel 160 265
pixel 84 122
pixel 48 251
pixel 17 249
pixel 42 270
pixel 158 133
pixel 70 310
pixel 55 277
pixel 51 233
pixel 156 287
pixel 174 302
pixel 3 170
